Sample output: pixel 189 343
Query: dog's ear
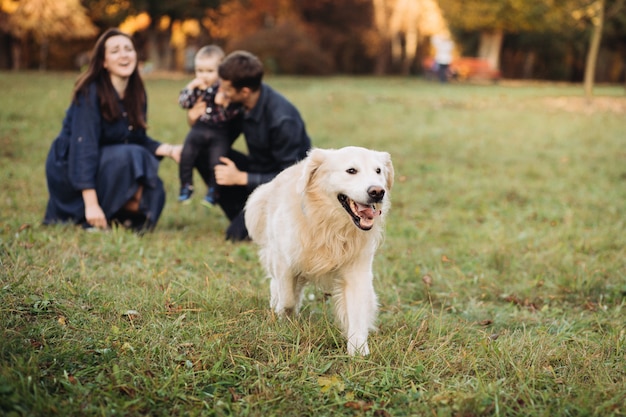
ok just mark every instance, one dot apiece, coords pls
pixel 389 172
pixel 312 162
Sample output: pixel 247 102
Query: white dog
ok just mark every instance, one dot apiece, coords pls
pixel 321 221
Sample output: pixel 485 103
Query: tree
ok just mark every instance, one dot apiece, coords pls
pixel 594 13
pixel 46 20
pixel 163 15
pixel 597 21
pixel 298 36
pixel 400 24
pixel 108 13
pixel 343 31
pixel 494 18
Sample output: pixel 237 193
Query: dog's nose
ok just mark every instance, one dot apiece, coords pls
pixel 377 193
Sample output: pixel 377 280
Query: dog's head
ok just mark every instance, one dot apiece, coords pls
pixel 355 178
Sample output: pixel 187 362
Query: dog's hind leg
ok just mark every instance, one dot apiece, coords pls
pixel 355 306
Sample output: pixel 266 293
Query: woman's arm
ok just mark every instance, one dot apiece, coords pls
pixel 93 212
pixel 84 139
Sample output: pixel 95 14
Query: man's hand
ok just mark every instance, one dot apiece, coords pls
pixel 229 174
pixel 194 113
pixel 221 100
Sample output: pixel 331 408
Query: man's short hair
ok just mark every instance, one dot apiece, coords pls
pixel 242 69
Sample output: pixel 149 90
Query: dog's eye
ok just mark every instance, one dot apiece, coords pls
pixel 351 171
pixel 378 170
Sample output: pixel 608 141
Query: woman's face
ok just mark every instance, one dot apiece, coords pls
pixel 120 57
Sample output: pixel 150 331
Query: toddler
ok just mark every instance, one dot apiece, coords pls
pixel 211 131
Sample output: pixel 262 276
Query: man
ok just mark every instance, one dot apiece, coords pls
pixel 274 132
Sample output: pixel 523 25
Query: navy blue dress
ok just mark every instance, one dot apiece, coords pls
pixel 113 158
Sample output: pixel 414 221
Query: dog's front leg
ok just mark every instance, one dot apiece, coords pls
pixel 286 293
pixel 355 308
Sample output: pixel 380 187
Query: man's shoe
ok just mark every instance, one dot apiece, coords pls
pixel 236 231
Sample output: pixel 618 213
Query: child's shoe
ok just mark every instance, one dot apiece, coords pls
pixel 185 193
pixel 210 199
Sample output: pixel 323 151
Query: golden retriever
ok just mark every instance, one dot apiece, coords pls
pixel 321 221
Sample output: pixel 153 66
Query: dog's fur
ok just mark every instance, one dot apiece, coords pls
pixel 321 221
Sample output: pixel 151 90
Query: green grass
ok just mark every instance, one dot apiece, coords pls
pixel 502 279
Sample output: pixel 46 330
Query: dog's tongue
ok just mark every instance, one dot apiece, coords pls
pixel 367 212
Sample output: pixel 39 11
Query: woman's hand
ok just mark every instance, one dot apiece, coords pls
pixel 171 151
pixel 175 153
pixel 93 212
pixel 95 217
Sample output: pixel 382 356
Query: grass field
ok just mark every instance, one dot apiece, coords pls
pixel 502 279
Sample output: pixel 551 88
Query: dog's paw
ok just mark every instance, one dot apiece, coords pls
pixel 361 349
pixel 284 311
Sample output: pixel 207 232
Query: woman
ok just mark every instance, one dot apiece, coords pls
pixel 102 168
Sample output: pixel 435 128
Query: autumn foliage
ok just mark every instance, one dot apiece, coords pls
pixel 559 39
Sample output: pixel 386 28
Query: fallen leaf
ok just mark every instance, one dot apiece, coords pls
pixel 127 346
pixel 233 393
pixel 333 382
pixel 591 306
pixel 428 280
pixel 359 405
pixel 131 314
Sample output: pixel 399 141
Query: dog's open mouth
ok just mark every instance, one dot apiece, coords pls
pixel 363 215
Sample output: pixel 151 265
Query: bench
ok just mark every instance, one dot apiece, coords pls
pixel 464 69
pixel 467 68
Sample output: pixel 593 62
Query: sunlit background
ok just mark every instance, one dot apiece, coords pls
pixel 535 39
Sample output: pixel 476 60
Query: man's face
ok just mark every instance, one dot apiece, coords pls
pixel 231 94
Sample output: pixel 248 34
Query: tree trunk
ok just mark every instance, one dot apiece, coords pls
pixel 594 49
pixel 152 40
pixel 382 57
pixel 382 24
pixel 490 46
pixel 16 54
pixel 410 50
pixel 44 48
pixel 529 65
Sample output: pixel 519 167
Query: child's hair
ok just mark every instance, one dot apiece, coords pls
pixel 210 51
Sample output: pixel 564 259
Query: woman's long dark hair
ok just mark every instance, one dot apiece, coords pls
pixel 135 96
